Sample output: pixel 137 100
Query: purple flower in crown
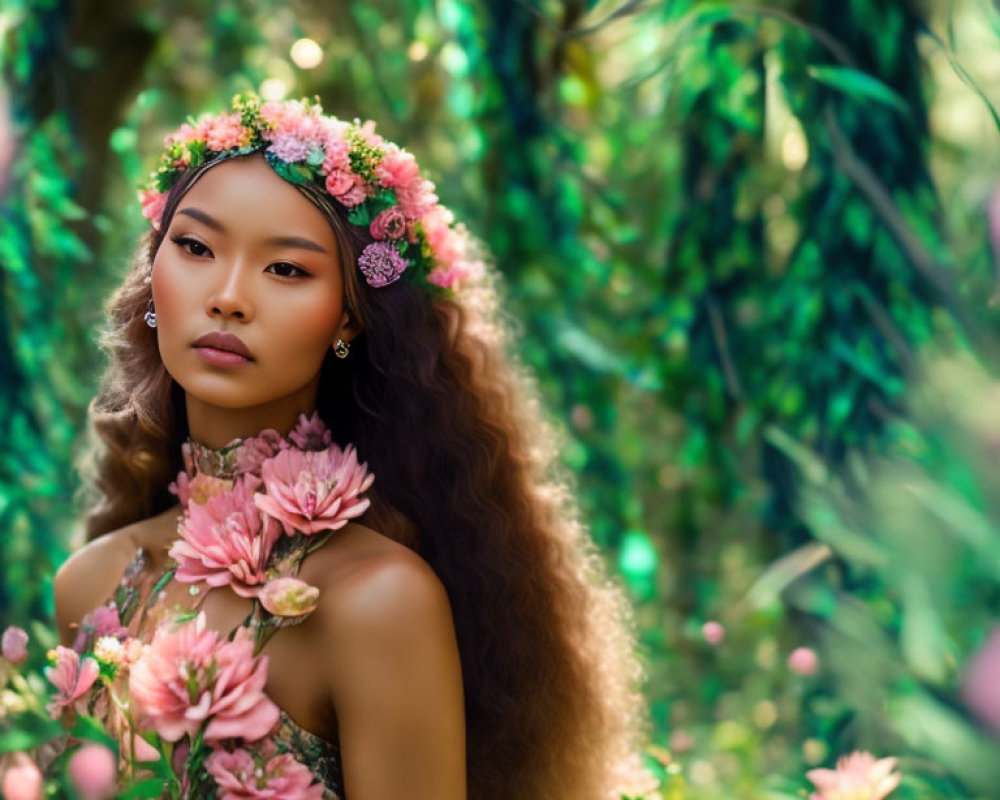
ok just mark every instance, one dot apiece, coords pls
pixel 381 264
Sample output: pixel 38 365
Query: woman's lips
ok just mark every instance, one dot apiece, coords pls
pixel 221 358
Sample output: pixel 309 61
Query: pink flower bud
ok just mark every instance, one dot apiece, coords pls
pixel 289 597
pixel 803 661
pixel 23 781
pixel 14 645
pixel 713 632
pixel 92 771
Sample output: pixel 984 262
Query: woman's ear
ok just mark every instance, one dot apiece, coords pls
pixel 348 329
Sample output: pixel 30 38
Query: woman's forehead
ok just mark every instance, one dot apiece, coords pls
pixel 245 194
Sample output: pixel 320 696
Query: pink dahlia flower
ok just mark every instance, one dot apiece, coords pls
pixel 311 433
pixel 71 678
pixel 241 775
pixel 23 780
pixel 14 645
pixel 858 776
pixel 314 491
pixel 289 597
pixel 91 770
pixel 226 540
pixel 188 678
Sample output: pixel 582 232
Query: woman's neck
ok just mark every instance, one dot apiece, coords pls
pixel 216 427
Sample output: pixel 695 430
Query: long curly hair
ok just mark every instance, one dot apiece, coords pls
pixel 467 476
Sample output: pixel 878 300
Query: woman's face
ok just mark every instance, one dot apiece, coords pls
pixel 246 254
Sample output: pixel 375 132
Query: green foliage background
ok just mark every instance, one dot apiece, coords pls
pixel 731 230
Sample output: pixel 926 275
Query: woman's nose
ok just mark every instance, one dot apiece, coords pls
pixel 232 294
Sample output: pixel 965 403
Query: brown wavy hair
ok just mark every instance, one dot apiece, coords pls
pixel 466 475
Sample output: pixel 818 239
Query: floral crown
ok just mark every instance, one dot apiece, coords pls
pixel 378 183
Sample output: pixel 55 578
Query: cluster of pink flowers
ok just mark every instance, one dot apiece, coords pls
pixel 351 161
pixel 304 485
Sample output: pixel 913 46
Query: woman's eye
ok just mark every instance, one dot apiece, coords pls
pixel 284 265
pixel 197 248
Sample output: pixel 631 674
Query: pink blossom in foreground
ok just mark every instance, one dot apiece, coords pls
pixel 713 632
pixel 289 597
pixel 311 433
pixel 92 769
pixel 187 678
pixel 102 621
pixel 803 661
pixel 858 776
pixel 226 540
pixel 980 687
pixel 71 678
pixel 242 775
pixel 314 491
pixel 14 645
pixel 23 780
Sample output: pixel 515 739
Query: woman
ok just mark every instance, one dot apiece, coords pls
pixel 301 279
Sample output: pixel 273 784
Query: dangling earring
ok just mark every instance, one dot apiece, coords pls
pixel 150 315
pixel 342 348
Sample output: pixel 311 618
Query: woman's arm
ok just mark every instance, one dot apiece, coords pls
pixel 395 680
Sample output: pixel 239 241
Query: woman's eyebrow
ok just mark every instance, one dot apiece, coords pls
pixel 280 241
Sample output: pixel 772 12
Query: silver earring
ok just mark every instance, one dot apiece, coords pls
pixel 150 315
pixel 341 348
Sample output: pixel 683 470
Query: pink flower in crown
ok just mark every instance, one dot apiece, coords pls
pixel 858 776
pixel 314 491
pixel 71 677
pixel 388 224
pixel 289 147
pixel 185 134
pixel 397 168
pixel 346 187
pixel 381 264
pixel 226 540
pixel 261 774
pixel 257 449
pixel 336 149
pixel 226 131
pixel 187 679
pixel 279 115
pixel 367 133
pixel 153 204
pixel 311 433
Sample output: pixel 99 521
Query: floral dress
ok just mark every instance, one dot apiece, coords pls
pixel 259 473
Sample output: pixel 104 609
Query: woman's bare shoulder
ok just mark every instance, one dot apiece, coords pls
pixel 89 575
pixel 367 575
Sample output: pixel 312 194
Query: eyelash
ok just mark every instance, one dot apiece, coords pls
pixel 184 241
